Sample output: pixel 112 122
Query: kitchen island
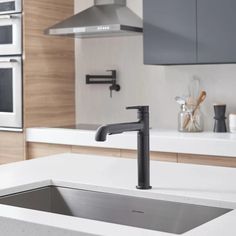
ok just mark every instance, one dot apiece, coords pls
pixel 202 185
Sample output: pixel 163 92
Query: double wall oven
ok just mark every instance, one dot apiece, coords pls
pixel 11 105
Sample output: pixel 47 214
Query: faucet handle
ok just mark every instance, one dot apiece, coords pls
pixel 139 108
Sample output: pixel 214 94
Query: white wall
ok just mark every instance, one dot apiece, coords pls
pixel 153 85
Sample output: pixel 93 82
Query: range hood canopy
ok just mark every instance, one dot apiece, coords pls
pixel 105 19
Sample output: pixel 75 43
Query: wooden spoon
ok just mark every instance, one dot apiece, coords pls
pixel 200 99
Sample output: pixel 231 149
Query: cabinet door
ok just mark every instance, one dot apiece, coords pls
pixel 216 27
pixel 169 31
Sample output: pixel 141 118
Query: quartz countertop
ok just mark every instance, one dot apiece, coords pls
pixel 206 143
pixel 204 185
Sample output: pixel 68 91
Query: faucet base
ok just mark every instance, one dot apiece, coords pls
pixel 144 187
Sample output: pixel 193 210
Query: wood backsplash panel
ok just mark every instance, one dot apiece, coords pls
pixel 49 70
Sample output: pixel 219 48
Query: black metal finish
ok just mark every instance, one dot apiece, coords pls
pixel 104 79
pixel 142 127
pixel 220 125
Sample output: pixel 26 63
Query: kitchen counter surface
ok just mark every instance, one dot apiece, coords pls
pixel 204 185
pixel 207 143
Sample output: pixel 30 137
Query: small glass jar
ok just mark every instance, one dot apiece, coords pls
pixel 182 116
pixel 190 119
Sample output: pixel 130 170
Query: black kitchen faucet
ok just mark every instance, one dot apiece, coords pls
pixel 142 127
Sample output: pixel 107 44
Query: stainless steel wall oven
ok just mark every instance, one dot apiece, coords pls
pixel 11 93
pixel 11 105
pixel 10 34
pixel 10 6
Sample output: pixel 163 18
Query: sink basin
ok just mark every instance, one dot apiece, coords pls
pixel 171 217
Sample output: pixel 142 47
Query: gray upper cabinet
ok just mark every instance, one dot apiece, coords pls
pixel 169 31
pixel 189 32
pixel 216 29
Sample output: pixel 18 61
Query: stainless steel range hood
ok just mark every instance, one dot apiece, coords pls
pixel 105 19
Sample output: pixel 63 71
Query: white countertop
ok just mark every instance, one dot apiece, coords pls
pixel 204 185
pixel 207 143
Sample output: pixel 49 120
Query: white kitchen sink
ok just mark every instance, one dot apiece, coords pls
pixel 165 216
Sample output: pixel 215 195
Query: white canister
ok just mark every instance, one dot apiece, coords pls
pixel 232 123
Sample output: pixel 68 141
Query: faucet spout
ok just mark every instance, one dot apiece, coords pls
pixel 111 129
pixel 142 127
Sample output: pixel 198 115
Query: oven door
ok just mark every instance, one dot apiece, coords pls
pixel 10 35
pixel 11 93
pixel 10 6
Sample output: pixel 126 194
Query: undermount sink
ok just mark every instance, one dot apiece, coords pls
pixel 171 217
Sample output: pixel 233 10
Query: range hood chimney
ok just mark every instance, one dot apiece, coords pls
pixel 106 18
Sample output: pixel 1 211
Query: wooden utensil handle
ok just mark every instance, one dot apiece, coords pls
pixel 200 99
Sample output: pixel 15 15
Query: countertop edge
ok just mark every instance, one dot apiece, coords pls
pixel 207 143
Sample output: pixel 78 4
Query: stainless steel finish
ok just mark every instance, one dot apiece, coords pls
pixel 11 66
pixel 18 6
pixel 106 18
pixel 19 130
pixel 5 17
pixel 13 120
pixel 105 2
pixel 3 60
pixel 171 217
pixel 15 47
pixel 9 16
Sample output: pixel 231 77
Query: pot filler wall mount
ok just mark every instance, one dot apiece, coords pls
pixel 105 79
pixel 107 18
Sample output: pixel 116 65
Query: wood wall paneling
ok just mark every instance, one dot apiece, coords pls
pixel 164 156
pixel 157 156
pixel 48 77
pixel 207 160
pixel 49 71
pixel 96 151
pixel 36 150
pixel 12 147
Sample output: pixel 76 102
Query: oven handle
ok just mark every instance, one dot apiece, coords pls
pixel 9 61
pixel 8 17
